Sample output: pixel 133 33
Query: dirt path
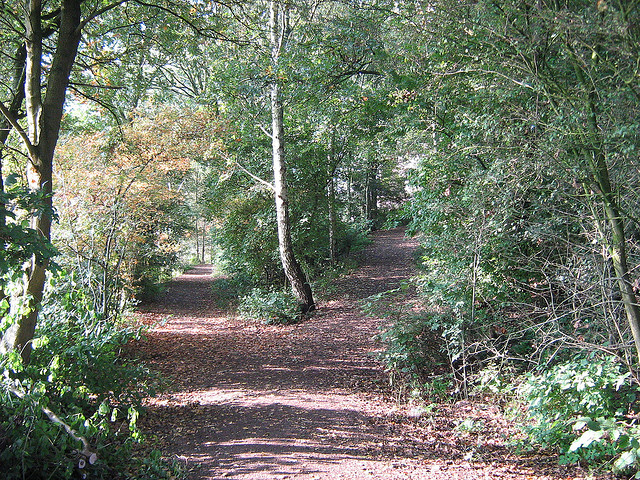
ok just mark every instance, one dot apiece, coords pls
pixel 250 401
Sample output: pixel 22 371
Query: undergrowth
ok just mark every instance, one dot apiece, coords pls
pixel 272 307
pixel 77 388
pixel 415 366
pixel 585 407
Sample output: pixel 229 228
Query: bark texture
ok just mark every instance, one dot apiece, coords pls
pixel 43 119
pixel 278 29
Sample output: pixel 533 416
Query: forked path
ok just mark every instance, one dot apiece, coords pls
pixel 250 401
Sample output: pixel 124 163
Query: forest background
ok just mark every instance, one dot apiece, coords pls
pixel 140 136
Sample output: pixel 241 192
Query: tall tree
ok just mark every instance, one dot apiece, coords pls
pixel 279 32
pixel 43 115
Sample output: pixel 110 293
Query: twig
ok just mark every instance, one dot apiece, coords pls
pixel 86 452
pixel 264 130
pixel 255 177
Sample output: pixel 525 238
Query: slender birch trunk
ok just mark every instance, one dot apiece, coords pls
pixel 279 31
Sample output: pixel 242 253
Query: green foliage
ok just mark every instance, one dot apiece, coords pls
pixel 409 340
pixel 271 307
pixel 497 381
pixel 469 425
pixel 93 364
pixel 19 242
pixel 78 373
pixel 580 408
pixel 248 238
pixel 227 291
pixel 354 238
pixel 406 349
pixel 510 113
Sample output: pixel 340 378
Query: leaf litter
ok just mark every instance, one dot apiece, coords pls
pixel 311 401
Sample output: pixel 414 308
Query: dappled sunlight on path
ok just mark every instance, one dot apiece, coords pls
pixel 307 401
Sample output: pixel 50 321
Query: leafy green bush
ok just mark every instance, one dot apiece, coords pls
pixel 406 352
pixel 270 307
pixel 408 339
pixel 227 291
pixel 353 238
pixel 580 408
pixel 77 375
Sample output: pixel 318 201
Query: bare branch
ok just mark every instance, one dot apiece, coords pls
pixel 109 108
pixel 265 131
pixel 23 135
pixel 205 32
pixel 100 87
pixel 255 177
pixel 99 12
pixel 488 72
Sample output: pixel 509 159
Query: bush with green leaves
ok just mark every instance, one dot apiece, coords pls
pixel 405 339
pixel 228 290
pixel 354 238
pixel 408 340
pixel 77 380
pixel 582 409
pixel 270 307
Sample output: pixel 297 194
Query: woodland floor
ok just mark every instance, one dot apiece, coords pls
pixel 310 401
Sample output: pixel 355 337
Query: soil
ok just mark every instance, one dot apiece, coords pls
pixel 311 401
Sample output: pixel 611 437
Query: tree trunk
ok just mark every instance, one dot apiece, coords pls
pixel 613 216
pixel 204 241
pixel 197 241
pixel 43 120
pixel 331 199
pixel 278 27
pixel 5 126
pixel 371 193
pixel 351 214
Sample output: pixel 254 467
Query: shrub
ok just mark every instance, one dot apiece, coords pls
pixel 408 339
pixel 581 409
pixel 227 291
pixel 270 307
pixel 77 374
pixel 406 352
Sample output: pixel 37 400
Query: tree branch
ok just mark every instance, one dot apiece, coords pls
pixel 340 77
pixel 255 177
pixel 90 455
pixel 265 131
pixel 487 72
pixel 101 87
pixel 109 108
pixel 205 32
pixel 23 135
pixel 99 12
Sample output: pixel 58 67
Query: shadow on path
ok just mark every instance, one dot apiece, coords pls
pixel 251 401
pixel 257 401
